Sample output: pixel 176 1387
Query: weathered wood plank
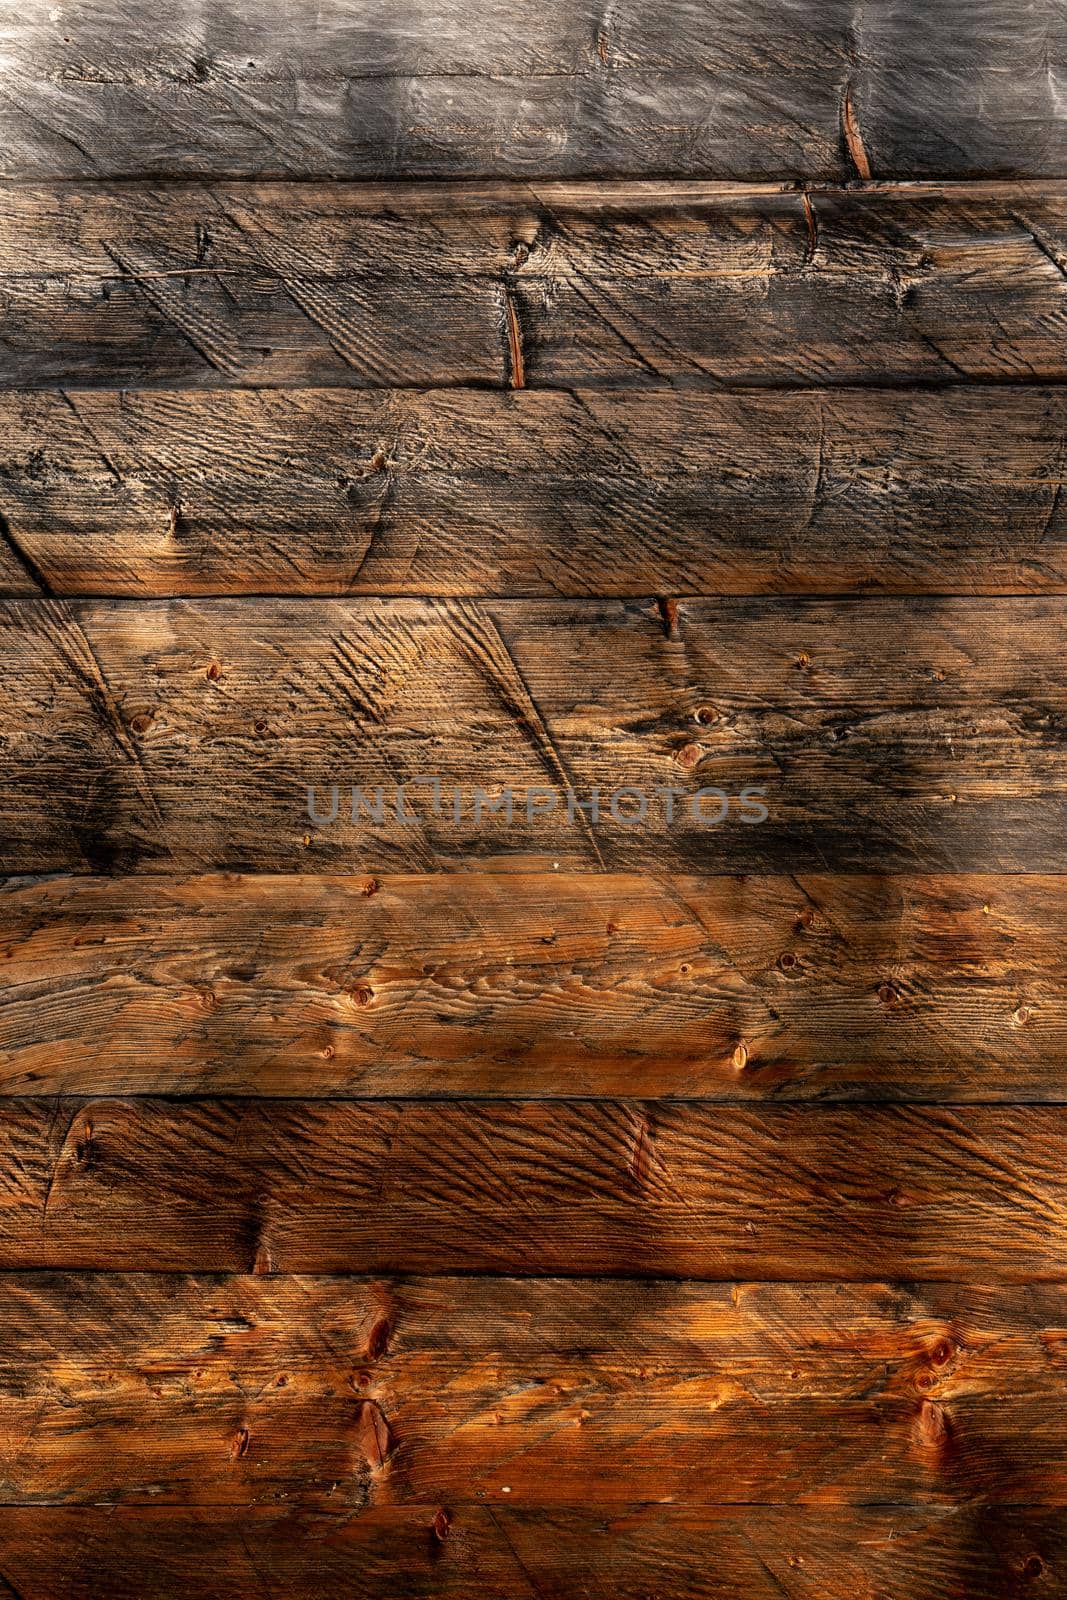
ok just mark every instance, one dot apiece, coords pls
pixel 340 1392
pixel 483 1553
pixel 543 985
pixel 541 1188
pixel 598 284
pixel 885 734
pixel 464 493
pixel 823 88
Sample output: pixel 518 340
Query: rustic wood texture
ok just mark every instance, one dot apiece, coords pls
pixel 541 1188
pixel 560 1207
pixel 511 286
pixel 886 735
pixel 341 1392
pixel 471 494
pixel 551 984
pixel 486 1552
pixel 816 89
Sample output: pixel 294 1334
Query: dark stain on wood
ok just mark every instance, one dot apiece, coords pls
pixel 915 734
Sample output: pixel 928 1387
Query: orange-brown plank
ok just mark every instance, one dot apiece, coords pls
pixel 573 1188
pixel 552 984
pixel 342 1392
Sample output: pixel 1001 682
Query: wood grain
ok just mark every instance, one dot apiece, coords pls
pixel 624 284
pixel 472 494
pixel 568 1188
pixel 482 1553
pixel 340 1392
pixel 822 88
pixel 559 1207
pixel 887 735
pixel 552 984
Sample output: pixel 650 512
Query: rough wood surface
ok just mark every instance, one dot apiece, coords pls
pixel 696 1194
pixel 553 984
pixel 511 286
pixel 466 494
pixel 484 1553
pixel 815 89
pixel 541 1188
pixel 340 1392
pixel 885 734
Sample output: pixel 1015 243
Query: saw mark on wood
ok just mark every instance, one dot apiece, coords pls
pixel 74 645
pixel 24 559
pixel 479 633
pixel 1044 243
pixel 209 339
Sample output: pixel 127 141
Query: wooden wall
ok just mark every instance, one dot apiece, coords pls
pixel 546 397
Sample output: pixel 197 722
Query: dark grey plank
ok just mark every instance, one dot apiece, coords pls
pixel 822 89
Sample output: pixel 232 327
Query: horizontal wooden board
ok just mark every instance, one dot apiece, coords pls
pixel 884 734
pixel 814 89
pixel 340 1392
pixel 618 284
pixel 539 1188
pixel 549 984
pixel 472 494
pixel 484 1553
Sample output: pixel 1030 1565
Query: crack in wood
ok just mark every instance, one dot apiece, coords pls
pixel 850 129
